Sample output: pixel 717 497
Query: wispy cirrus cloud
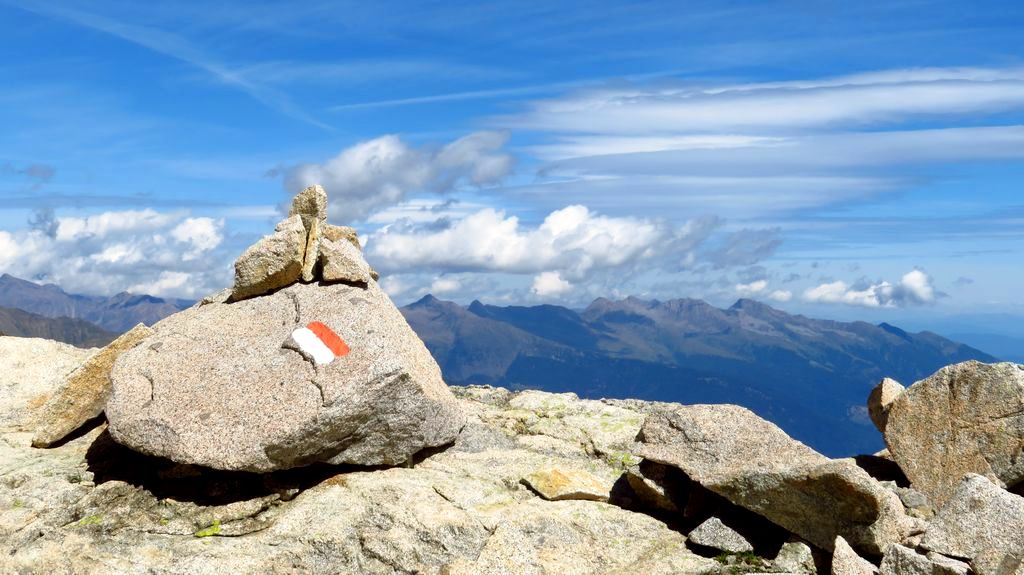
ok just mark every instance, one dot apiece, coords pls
pixel 174 46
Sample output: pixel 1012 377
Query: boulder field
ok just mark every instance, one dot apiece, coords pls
pixel 294 423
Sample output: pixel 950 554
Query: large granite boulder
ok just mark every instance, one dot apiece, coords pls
pixel 754 464
pixel 30 371
pixel 966 418
pixel 221 385
pixel 982 523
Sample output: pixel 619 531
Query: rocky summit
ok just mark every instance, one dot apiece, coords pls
pixel 295 424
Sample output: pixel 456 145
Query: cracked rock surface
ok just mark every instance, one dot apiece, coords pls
pixel 216 385
pixel 94 506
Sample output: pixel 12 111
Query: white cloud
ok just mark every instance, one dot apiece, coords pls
pixel 573 241
pixel 781 295
pixel 752 288
pixel 141 251
pixel 866 99
pixel 914 288
pixel 444 285
pixel 550 284
pixel 381 172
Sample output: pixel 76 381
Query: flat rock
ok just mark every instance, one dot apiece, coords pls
pixel 555 484
pixel 979 520
pixel 84 393
pixel 965 418
pixel 845 561
pixel 717 535
pixel 901 560
pixel 341 261
pixel 273 262
pixel 880 400
pixel 216 386
pixel 754 464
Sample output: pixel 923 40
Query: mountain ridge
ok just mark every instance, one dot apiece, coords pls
pixel 807 374
pixel 117 313
pixel 80 333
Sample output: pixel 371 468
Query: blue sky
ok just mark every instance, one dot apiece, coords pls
pixel 848 160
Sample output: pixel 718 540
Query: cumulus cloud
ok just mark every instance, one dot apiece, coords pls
pixel 550 284
pixel 914 288
pixel 781 295
pixel 140 251
pixel 752 288
pixel 381 172
pixel 573 241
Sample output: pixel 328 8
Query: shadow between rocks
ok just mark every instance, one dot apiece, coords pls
pixel 165 479
pixel 82 431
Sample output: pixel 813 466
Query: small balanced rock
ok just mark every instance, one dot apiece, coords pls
pixel 281 373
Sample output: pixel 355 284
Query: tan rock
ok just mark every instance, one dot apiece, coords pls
pixel 979 520
pixel 84 394
pixel 273 262
pixel 556 484
pixel 900 560
pixel 880 400
pixel 311 205
pixel 966 418
pixel 31 369
pixel 340 261
pixel 754 464
pixel 845 561
pixel 342 233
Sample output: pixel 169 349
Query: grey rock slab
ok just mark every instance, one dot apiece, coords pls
pixel 754 464
pixel 794 556
pixel 215 386
pixel 845 561
pixel 273 262
pixel 880 400
pixel 979 519
pixel 717 535
pixel 965 418
pixel 340 261
pixel 901 560
pixel 84 393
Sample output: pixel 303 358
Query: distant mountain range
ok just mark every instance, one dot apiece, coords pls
pixel 811 377
pixel 116 314
pixel 74 331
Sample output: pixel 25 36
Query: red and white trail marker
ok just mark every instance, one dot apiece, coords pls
pixel 320 342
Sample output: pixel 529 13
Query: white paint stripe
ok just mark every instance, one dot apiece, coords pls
pixel 311 344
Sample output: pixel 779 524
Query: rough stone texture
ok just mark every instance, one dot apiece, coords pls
pixel 339 261
pixel 754 464
pixel 880 400
pixel 794 557
pixel 214 386
pixel 341 233
pixel 311 205
pixel 30 371
pixel 657 487
pixel 966 418
pixel 93 506
pixel 900 560
pixel 995 562
pixel 84 393
pixel 556 484
pixel 980 519
pixel 845 560
pixel 717 535
pixel 273 262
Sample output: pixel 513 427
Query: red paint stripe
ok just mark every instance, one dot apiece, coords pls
pixel 330 339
